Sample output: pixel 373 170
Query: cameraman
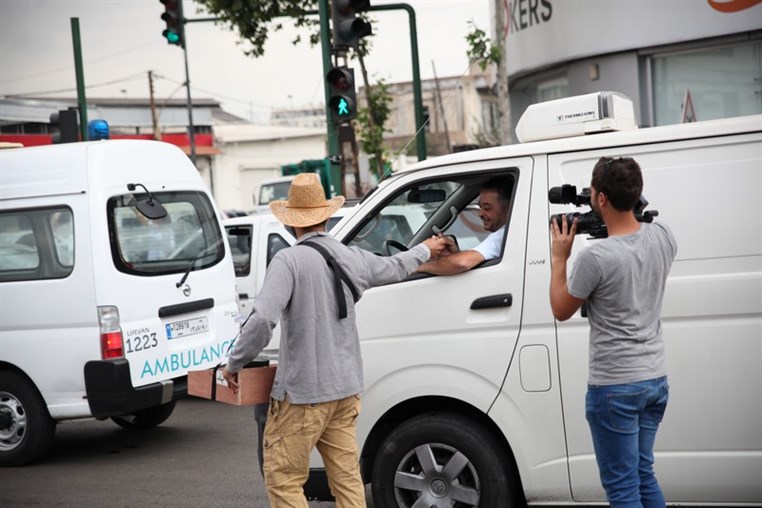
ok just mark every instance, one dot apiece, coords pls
pixel 622 278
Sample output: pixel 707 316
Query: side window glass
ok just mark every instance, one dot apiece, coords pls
pixel 469 208
pixel 18 246
pixel 468 228
pixel 405 218
pixel 62 227
pixel 275 242
pixel 239 238
pixel 36 244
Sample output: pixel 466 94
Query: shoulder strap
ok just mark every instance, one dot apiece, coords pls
pixel 339 275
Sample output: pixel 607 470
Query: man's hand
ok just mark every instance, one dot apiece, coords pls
pixel 231 378
pixel 563 239
pixel 451 246
pixel 436 245
pixel 563 304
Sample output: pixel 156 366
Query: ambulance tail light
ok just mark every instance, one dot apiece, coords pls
pixel 576 116
pixel 112 345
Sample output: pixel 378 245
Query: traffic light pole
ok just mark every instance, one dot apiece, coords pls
pixel 417 95
pixel 191 135
pixel 332 130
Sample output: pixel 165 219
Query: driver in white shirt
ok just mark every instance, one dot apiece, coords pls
pixel 494 199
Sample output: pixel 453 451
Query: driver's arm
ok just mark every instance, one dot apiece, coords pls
pixel 454 263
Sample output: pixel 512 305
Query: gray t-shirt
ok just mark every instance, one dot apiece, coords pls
pixel 623 279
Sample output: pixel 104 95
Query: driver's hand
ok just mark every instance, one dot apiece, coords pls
pixel 451 246
pixel 436 244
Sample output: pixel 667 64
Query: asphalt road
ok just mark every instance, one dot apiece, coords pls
pixel 204 455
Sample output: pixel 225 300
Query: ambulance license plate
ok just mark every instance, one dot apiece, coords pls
pixel 187 327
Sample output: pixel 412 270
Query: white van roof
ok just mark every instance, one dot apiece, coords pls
pixel 616 141
pixel 58 169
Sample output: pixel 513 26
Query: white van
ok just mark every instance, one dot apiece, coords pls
pixel 475 395
pixel 115 280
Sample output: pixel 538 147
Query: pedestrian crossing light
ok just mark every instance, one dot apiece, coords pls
pixel 342 103
pixel 173 17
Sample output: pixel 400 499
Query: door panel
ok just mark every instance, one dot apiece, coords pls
pixel 709 447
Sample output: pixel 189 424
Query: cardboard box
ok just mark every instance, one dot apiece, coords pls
pixel 254 383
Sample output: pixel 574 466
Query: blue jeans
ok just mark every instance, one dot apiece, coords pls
pixel 623 421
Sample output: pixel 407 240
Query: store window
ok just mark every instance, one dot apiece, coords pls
pixel 722 82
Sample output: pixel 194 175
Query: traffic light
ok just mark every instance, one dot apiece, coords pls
pixel 342 103
pixel 173 17
pixel 64 126
pixel 347 27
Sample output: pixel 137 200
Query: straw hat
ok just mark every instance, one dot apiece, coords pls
pixel 306 205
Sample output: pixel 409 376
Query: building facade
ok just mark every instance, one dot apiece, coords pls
pixel 459 112
pixel 677 60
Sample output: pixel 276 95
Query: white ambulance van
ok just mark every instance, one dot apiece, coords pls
pixel 115 280
pixel 475 395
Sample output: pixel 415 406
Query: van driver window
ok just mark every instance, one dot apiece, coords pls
pixel 456 208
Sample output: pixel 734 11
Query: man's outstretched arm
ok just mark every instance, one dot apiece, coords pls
pixel 454 263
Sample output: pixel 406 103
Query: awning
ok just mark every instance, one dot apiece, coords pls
pixel 201 150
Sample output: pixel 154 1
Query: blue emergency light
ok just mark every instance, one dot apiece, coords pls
pixel 98 129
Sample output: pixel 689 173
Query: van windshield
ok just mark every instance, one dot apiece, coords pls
pixel 189 234
pixel 273 192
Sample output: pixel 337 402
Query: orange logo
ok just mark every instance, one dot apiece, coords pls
pixel 732 5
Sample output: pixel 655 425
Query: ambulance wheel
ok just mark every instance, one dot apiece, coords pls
pixel 146 418
pixel 442 459
pixel 26 428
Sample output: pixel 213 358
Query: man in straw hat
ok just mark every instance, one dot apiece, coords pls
pixel 315 396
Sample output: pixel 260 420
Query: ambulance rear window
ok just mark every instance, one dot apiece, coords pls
pixel 188 236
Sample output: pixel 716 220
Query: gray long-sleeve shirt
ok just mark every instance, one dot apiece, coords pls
pixel 319 358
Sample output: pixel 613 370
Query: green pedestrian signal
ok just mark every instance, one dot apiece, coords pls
pixel 343 107
pixel 342 102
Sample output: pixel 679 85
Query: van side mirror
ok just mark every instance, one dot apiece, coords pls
pixel 147 205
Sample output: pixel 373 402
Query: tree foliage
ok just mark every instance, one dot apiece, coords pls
pixel 254 20
pixel 481 49
pixel 371 122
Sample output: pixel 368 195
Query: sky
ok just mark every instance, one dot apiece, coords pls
pixel 122 41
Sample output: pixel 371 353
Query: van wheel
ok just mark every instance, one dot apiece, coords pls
pixel 145 418
pixel 26 428
pixel 442 459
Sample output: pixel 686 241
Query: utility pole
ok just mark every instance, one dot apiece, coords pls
pixel 79 69
pixel 154 120
pixel 440 109
pixel 503 93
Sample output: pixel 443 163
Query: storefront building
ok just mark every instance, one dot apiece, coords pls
pixel 677 60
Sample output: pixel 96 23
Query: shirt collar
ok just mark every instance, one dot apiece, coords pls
pixel 311 235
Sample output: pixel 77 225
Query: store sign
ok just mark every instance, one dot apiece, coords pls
pixel 540 33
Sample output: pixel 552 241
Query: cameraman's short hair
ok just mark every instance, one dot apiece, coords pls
pixel 503 185
pixel 620 180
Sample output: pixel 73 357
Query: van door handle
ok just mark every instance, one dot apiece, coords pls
pixel 245 296
pixel 490 302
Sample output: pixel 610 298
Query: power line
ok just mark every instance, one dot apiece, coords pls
pixel 88 62
pixel 215 94
pixel 125 79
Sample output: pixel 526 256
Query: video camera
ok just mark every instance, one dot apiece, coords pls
pixel 589 223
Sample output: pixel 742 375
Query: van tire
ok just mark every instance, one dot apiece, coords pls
pixel 485 475
pixel 145 418
pixel 26 428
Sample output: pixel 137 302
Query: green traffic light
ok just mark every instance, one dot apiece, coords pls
pixel 173 38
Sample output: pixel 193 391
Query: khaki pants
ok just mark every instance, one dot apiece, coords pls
pixel 292 431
